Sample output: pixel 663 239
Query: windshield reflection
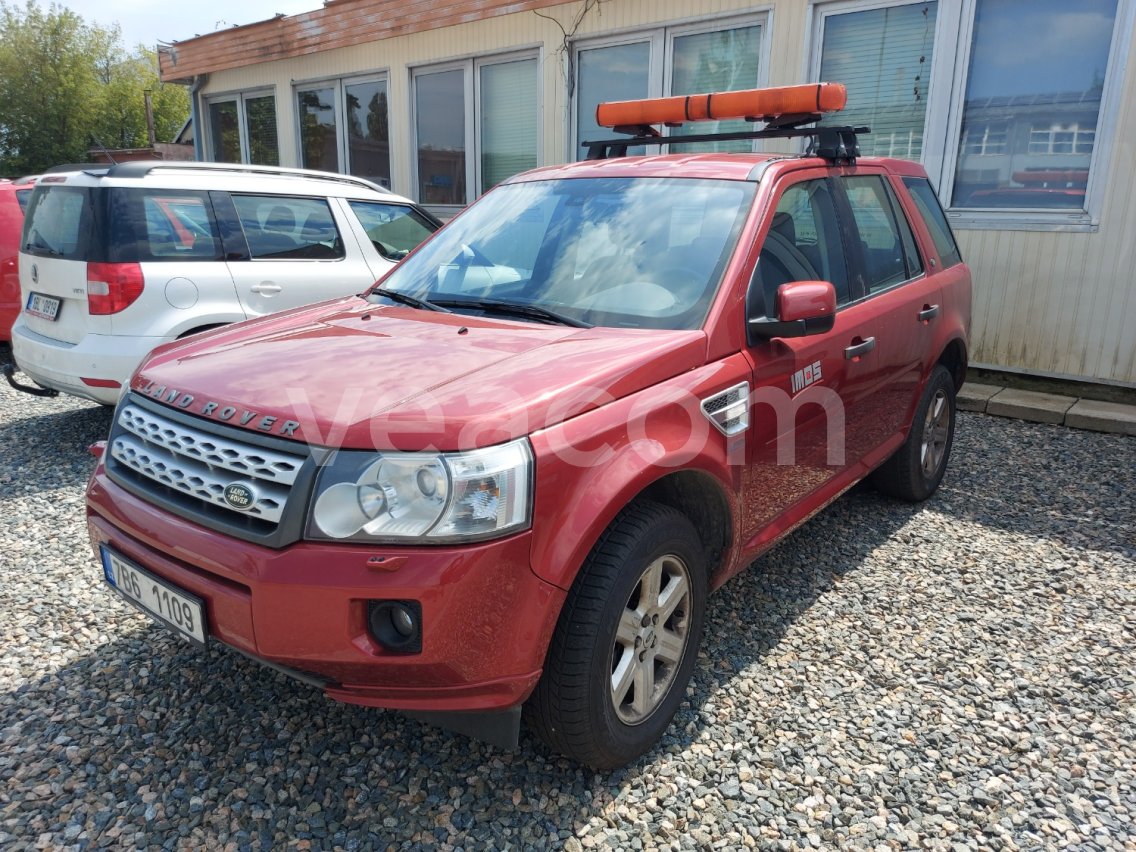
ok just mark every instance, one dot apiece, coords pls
pixel 626 252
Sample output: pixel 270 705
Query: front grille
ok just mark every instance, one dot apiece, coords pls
pixel 187 465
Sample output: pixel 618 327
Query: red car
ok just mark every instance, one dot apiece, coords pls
pixel 506 478
pixel 14 197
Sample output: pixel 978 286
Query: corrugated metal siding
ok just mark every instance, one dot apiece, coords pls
pixel 1048 303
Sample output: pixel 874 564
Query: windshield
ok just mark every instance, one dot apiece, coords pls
pixel 626 252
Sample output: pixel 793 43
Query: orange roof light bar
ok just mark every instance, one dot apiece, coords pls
pixel 756 104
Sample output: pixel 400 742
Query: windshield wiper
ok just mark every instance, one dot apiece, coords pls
pixel 36 243
pixel 517 309
pixel 404 299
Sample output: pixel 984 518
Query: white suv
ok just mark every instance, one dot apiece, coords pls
pixel 117 260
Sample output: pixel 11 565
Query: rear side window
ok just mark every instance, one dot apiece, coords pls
pixel 160 225
pixel 280 228
pixel 394 229
pixel 885 236
pixel 932 212
pixel 58 222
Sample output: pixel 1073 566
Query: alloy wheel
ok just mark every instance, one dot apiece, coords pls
pixel 651 638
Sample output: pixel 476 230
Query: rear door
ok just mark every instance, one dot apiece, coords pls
pixel 900 301
pixel 299 250
pixel 53 261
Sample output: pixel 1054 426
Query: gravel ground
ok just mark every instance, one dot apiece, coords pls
pixel 950 676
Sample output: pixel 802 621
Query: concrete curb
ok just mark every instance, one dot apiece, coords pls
pixel 1049 408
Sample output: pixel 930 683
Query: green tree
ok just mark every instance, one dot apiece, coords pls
pixel 63 81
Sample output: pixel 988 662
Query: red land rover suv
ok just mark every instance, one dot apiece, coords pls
pixel 505 479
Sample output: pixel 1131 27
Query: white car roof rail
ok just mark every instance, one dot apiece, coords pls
pixel 141 168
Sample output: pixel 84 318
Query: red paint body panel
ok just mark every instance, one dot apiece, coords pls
pixel 496 382
pixel 487 618
pixel 11 225
pixel 608 412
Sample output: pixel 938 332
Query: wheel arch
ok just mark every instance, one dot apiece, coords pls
pixel 954 358
pixel 703 501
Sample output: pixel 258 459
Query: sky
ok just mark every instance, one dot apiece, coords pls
pixel 150 21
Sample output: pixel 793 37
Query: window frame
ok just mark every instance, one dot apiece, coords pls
pixel 239 99
pixel 946 94
pixel 660 69
pixel 900 219
pixel 339 85
pixel 842 219
pixel 470 67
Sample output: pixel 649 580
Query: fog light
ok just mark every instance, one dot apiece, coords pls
pixel 396 625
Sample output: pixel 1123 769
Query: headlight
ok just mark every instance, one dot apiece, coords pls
pixel 423 496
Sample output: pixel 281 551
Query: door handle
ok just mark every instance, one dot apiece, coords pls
pixel 266 288
pixel 851 353
pixel 928 313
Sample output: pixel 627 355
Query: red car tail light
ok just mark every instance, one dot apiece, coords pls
pixel 113 287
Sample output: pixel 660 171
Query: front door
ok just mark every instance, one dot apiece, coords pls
pixel 809 394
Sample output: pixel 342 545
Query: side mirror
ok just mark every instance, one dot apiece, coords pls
pixel 802 308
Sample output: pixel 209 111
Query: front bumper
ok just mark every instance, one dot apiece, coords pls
pixel 487 618
pixel 62 366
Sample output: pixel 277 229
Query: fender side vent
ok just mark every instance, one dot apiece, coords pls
pixel 729 409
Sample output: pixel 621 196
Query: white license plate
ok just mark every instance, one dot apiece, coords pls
pixel 40 305
pixel 181 612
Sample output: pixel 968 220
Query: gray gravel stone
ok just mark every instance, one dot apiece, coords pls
pixel 951 676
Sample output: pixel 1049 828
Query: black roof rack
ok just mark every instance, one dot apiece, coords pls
pixel 836 143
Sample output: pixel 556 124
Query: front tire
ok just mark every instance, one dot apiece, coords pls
pixel 917 468
pixel 625 646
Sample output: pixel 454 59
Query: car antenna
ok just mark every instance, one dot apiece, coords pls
pixel 104 149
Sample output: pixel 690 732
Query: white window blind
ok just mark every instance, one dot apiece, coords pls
pixel 884 57
pixel 508 118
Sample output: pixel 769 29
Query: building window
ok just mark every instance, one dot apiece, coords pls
pixel 1000 100
pixel 725 56
pixel 984 140
pixel 319 147
pixel 345 127
pixel 368 130
pixel 883 56
pixel 242 129
pixel 476 124
pixel 508 118
pixel 1048 97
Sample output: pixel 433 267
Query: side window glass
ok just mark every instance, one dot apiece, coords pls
pixel 179 227
pixel 885 247
pixel 394 229
pixel 932 212
pixel 803 244
pixel 279 228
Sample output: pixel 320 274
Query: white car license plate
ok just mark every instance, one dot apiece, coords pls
pixel 40 305
pixel 181 612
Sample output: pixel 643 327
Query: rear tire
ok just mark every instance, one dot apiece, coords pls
pixel 626 643
pixel 917 468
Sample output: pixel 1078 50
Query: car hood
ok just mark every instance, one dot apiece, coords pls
pixel 355 375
